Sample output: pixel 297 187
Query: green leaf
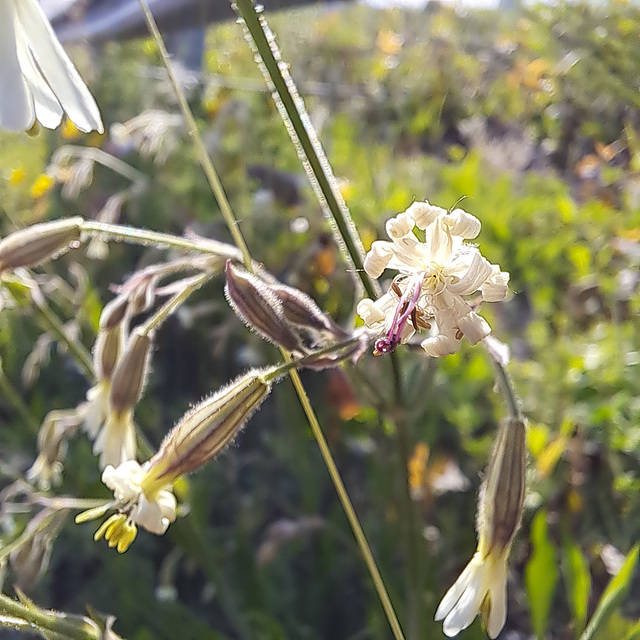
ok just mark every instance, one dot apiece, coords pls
pixel 612 596
pixel 634 632
pixel 578 582
pixel 541 574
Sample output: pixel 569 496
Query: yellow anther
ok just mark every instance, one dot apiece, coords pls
pixel 107 526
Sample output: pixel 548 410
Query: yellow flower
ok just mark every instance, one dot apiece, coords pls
pixel 43 184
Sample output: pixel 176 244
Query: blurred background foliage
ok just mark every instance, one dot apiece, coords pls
pixel 532 116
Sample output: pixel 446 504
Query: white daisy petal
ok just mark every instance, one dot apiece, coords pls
pixel 16 103
pixel 56 67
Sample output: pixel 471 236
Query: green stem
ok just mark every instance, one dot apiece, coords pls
pixel 53 324
pixel 348 508
pixel 50 621
pixel 172 305
pixel 231 221
pixel 146 237
pixel 508 392
pixel 196 138
pixel 15 399
pixel 304 137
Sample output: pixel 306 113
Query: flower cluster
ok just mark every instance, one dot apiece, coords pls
pixel 435 278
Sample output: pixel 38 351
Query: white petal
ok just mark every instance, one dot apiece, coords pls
pixel 463 224
pixel 425 214
pixel 116 442
pixel 495 289
pixel 370 313
pixel 377 259
pixel 48 110
pixel 399 226
pixel 440 346
pixel 167 504
pixel 147 515
pixel 124 480
pixel 62 76
pixel 498 350
pixel 97 408
pixel 498 600
pixel 474 327
pixel 16 104
pixel 477 273
pixel 453 595
pixel 468 607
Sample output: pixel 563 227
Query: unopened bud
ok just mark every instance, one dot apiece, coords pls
pixel 259 308
pixel 502 493
pixel 41 242
pixel 299 309
pixel 114 312
pixel 106 352
pixel 130 374
pixel 207 429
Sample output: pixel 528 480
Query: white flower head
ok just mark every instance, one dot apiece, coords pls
pixel 435 277
pixel 37 79
pixel 153 513
pixel 153 509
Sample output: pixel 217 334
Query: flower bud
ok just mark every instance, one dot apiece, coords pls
pixel 114 312
pixel 41 242
pixel 502 493
pixel 106 352
pixel 130 374
pixel 259 308
pixel 299 309
pixel 207 429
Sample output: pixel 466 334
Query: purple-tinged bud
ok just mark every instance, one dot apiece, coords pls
pixel 38 243
pixel 207 429
pixel 130 374
pixel 114 312
pixel 106 352
pixel 257 306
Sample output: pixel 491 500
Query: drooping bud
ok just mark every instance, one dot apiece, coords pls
pixel 130 374
pixel 502 494
pixel 41 242
pixel 106 352
pixel 299 309
pixel 114 312
pixel 259 308
pixel 207 429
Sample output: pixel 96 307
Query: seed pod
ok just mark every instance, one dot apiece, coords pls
pixel 502 493
pixel 207 429
pixel 130 374
pixel 41 242
pixel 258 307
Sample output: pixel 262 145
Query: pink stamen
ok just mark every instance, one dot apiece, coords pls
pixel 409 300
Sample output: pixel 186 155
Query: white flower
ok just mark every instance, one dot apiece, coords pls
pixel 116 441
pixel 434 278
pixel 481 588
pixel 152 512
pixel 37 79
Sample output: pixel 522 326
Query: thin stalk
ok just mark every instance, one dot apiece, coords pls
pixel 305 139
pixel 50 621
pixel 508 392
pixel 230 219
pixel 146 237
pixel 53 324
pixel 196 138
pixel 348 508
pixel 172 305
pixel 15 399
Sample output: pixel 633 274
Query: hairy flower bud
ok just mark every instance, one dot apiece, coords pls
pixel 106 352
pixel 130 374
pixel 259 308
pixel 41 242
pixel 207 429
pixel 502 493
pixel 114 312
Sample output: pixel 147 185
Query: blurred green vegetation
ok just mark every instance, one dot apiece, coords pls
pixel 533 118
